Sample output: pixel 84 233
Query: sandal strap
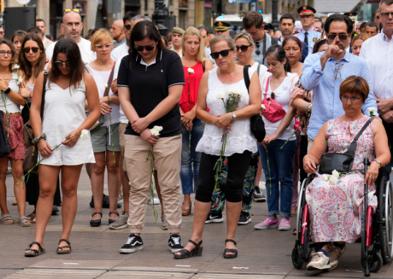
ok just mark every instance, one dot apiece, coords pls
pixel 230 240
pixel 95 213
pixel 38 244
pixel 66 241
pixel 114 212
pixel 194 243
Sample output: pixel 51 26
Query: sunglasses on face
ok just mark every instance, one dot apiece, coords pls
pixel 147 48
pixel 60 63
pixel 127 26
pixel 33 49
pixel 242 48
pixel 341 36
pixel 222 53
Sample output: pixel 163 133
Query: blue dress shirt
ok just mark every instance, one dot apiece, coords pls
pixel 326 103
pixel 313 36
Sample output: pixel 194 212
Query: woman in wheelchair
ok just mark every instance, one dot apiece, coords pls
pixel 335 201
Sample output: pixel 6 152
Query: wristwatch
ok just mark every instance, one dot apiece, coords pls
pixel 234 116
pixel 7 91
pixel 378 162
pixel 37 139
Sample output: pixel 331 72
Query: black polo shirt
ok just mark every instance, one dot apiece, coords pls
pixel 149 86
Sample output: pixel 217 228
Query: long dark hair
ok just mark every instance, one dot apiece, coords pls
pixel 145 29
pixel 279 54
pixel 11 46
pixel 71 50
pixel 25 66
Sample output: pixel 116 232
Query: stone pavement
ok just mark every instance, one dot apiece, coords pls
pixel 262 254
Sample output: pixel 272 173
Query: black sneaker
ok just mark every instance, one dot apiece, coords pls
pixel 244 218
pixel 174 243
pixel 214 218
pixel 257 195
pixel 134 243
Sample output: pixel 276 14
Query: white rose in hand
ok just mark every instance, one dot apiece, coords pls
pixel 84 133
pixel 155 131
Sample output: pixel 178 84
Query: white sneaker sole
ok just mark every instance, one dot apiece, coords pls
pixel 130 250
pixel 121 227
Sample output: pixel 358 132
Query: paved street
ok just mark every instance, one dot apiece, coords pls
pixel 262 254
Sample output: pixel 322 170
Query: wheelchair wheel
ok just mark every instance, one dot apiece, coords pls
pixel 296 256
pixel 374 262
pixel 385 222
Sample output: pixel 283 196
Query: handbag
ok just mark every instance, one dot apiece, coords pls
pixel 257 126
pixel 5 148
pixel 341 162
pixel 272 111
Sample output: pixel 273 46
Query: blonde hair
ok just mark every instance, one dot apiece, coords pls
pixel 192 31
pixel 99 36
pixel 246 36
pixel 230 42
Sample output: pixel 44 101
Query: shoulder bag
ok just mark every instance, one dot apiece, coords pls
pixel 257 126
pixel 341 162
pixel 272 111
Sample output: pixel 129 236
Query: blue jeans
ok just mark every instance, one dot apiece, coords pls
pixel 277 159
pixel 189 158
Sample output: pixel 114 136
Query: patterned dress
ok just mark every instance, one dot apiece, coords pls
pixel 336 208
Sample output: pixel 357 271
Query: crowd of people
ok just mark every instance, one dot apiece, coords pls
pixel 174 112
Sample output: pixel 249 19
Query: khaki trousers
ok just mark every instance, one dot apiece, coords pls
pixel 140 157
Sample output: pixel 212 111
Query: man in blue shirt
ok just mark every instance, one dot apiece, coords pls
pixel 307 35
pixel 323 73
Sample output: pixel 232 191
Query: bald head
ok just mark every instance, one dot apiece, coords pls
pixel 117 30
pixel 72 26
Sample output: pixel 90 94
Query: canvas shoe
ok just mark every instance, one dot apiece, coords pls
pixel 133 244
pixel 269 223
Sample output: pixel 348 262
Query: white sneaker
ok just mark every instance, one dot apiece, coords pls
pixel 321 262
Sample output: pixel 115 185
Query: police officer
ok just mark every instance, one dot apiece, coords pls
pixel 222 28
pixel 307 34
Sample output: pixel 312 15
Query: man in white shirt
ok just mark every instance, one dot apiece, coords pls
pixel 377 51
pixel 72 27
pixel 40 24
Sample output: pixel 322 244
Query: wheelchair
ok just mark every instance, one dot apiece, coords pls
pixel 377 226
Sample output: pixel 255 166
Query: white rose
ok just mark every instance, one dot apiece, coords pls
pixel 334 177
pixel 191 71
pixel 84 133
pixel 372 111
pixel 155 131
pixel 263 107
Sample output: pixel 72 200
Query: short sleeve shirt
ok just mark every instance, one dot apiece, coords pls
pixel 149 85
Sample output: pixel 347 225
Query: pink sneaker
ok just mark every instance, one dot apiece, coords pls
pixel 269 223
pixel 285 224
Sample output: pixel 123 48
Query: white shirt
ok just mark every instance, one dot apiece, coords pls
pixel 377 51
pixel 6 104
pixel 117 55
pixel 46 42
pixel 84 46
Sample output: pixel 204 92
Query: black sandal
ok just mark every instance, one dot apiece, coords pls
pixel 63 250
pixel 184 253
pixel 95 222
pixel 34 252
pixel 230 253
pixel 110 220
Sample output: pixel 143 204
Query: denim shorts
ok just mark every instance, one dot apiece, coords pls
pixel 105 139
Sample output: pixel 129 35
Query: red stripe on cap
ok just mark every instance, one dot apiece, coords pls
pixel 307 11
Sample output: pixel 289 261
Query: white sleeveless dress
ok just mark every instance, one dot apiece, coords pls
pixel 64 111
pixel 240 138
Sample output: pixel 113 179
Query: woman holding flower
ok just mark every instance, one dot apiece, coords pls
pixel 194 64
pixel 225 105
pixel 10 102
pixel 58 132
pixel 335 201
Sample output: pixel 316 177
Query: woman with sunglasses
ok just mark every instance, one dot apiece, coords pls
pixel 215 85
pixel 194 64
pixel 105 136
pixel 150 83
pixel 278 146
pixel 32 61
pixel 63 143
pixel 10 102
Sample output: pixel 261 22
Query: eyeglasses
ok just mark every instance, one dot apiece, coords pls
pixel 387 14
pixel 127 26
pixel 341 36
pixel 103 46
pixel 223 53
pixel 350 98
pixel 5 52
pixel 147 48
pixel 72 10
pixel 33 49
pixel 60 63
pixel 242 48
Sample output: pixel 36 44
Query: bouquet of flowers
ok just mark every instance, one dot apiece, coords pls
pixel 230 101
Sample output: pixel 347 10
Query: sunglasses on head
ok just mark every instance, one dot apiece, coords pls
pixel 127 26
pixel 223 53
pixel 33 49
pixel 72 10
pixel 242 48
pixel 341 36
pixel 147 48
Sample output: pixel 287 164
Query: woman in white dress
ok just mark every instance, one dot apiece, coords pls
pixel 61 137
pixel 225 79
